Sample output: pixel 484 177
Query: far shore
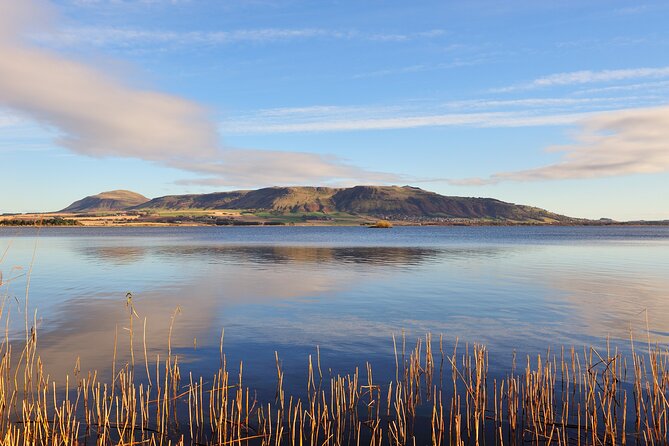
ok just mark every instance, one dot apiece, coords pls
pixel 227 218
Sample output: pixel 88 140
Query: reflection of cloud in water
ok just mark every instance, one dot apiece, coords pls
pixel 350 299
pixel 84 327
pixel 604 290
pixel 614 304
pixel 243 287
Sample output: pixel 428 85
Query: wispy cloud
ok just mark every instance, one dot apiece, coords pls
pixel 641 9
pixel 121 2
pixel 525 112
pixel 655 86
pixel 248 168
pixel 609 144
pixel 418 68
pixel 385 37
pixel 97 114
pixel 9 119
pixel 589 77
pixel 498 119
pixel 124 37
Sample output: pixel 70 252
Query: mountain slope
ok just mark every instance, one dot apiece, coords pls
pixel 285 199
pixel 377 201
pixel 115 200
pixel 288 199
pixel 405 201
pixel 216 200
pixel 392 202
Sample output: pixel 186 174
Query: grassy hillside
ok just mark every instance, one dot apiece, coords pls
pixel 217 200
pixel 294 204
pixel 406 202
pixel 287 199
pixel 116 200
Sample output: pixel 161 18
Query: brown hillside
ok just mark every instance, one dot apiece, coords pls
pixel 115 200
pixel 391 202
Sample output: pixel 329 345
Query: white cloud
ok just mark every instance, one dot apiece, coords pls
pixel 248 168
pixel 100 115
pixel 589 77
pixel 655 86
pixel 123 37
pixel 128 37
pixel 492 112
pixel 96 114
pixel 9 120
pixel 475 113
pixel 625 142
pixel 122 2
pixel 419 68
pixel 491 119
pixel 637 9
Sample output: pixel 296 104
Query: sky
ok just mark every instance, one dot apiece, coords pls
pixel 561 105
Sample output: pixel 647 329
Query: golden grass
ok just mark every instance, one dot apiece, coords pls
pixel 571 397
pixel 382 224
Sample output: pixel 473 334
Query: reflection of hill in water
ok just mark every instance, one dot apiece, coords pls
pixel 115 254
pixel 284 275
pixel 281 255
pixel 352 298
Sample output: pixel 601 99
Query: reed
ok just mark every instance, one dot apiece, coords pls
pixel 570 397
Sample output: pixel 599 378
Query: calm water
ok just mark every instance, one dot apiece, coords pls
pixel 347 290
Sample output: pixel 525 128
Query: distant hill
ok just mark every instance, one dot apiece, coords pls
pixel 390 202
pixel 116 200
pixel 412 201
pixel 284 199
pixel 407 203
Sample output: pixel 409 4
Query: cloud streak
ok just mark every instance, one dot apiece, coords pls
pixel 609 144
pixel 482 113
pixel 9 120
pixel 491 119
pixel 96 114
pixel 477 113
pixel 590 77
pixel 248 168
pixel 128 37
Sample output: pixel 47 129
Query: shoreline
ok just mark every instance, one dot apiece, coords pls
pixel 316 225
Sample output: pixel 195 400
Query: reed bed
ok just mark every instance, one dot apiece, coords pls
pixel 438 397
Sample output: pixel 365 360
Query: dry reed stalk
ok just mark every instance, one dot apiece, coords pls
pixel 565 398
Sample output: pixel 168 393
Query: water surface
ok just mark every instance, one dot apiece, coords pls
pixel 346 290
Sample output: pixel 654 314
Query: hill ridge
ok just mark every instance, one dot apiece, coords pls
pixel 114 200
pixel 392 202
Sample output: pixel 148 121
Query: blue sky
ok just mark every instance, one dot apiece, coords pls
pixel 562 105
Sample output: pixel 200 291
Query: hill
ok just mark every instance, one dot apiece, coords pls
pixel 283 199
pixel 116 200
pixel 294 204
pixel 392 202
